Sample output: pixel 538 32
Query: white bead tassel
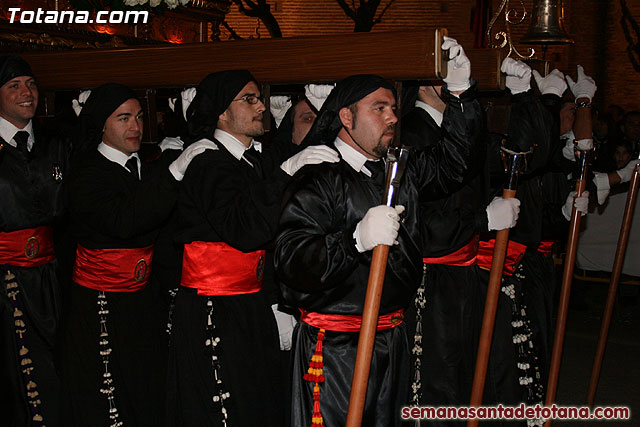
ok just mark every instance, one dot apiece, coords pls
pixel 108 389
pixel 212 343
pixel 420 303
pixel 529 378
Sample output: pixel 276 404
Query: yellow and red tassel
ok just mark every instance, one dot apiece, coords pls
pixel 314 375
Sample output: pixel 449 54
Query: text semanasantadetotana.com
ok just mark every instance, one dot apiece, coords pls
pixel 521 412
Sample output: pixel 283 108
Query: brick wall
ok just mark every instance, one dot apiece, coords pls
pixel 622 82
pixel 600 45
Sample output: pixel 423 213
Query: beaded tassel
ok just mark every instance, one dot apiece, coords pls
pixel 212 344
pixel 420 303
pixel 108 388
pixel 172 306
pixel 527 361
pixel 314 375
pixel 26 364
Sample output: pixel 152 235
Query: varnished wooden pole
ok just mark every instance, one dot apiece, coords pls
pixel 582 128
pixel 489 317
pixel 618 262
pixel 565 292
pixel 367 336
pixel 396 162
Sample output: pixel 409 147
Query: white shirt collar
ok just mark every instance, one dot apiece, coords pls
pixel 8 131
pixel 234 145
pixel 569 135
pixel 117 156
pixel 353 157
pixel 435 114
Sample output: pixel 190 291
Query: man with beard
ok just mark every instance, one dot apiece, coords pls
pixel 224 357
pixel 31 172
pixel 113 352
pixel 334 219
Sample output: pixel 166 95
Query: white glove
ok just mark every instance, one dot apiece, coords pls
pixel 317 94
pixel 626 172
pixel 552 83
pixel 179 166
pixel 503 213
pixel 77 104
pixel 601 180
pixel 313 155
pixel 379 226
pixel 171 143
pixel 581 203
pixel 568 151
pixel 286 323
pixel 458 67
pixel 518 75
pixel 187 96
pixel 585 87
pixel 278 105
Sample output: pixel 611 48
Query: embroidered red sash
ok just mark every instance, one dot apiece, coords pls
pixel 113 270
pixel 29 247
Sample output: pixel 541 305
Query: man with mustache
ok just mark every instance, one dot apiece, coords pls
pixel 224 365
pixel 334 219
pixel 31 170
pixel 113 346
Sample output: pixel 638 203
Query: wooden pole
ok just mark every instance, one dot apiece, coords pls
pixel 493 294
pixel 489 317
pixel 582 129
pixel 565 292
pixel 618 262
pixel 367 336
pixel 396 162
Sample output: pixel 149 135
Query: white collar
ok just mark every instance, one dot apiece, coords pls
pixel 8 131
pixel 569 135
pixel 117 156
pixel 435 114
pixel 353 157
pixel 234 145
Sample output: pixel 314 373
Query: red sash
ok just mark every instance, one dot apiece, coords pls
pixel 29 247
pixel 347 322
pixel 515 252
pixel 113 270
pixel 546 247
pixel 215 268
pixel 463 257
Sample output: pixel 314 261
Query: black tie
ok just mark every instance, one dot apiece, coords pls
pixel 376 167
pixel 21 139
pixel 254 158
pixel 132 165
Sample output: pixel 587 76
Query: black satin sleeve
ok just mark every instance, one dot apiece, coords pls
pixel 444 167
pixel 315 249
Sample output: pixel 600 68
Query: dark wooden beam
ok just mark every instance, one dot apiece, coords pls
pixel 406 55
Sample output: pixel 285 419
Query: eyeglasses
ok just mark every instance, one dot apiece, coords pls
pixel 251 99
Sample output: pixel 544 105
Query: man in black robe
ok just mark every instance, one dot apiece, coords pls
pixel 113 351
pixel 332 221
pixel 31 171
pixel 446 314
pixel 529 273
pixel 224 357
